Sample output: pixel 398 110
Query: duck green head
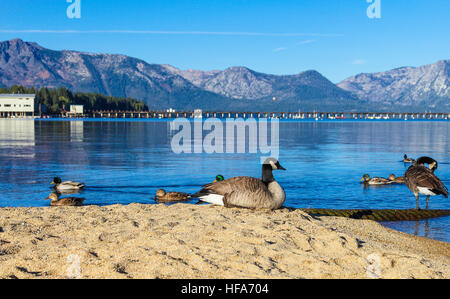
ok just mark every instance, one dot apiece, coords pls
pixel 365 178
pixel 219 178
pixel 56 181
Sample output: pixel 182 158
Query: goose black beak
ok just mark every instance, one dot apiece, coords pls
pixel 281 168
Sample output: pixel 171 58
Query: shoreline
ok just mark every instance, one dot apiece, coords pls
pixel 186 241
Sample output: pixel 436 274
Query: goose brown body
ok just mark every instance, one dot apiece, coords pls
pixel 247 192
pixel 422 180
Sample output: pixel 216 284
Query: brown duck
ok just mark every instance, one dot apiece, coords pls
pixel 163 196
pixel 66 201
pixel 398 180
pixel 366 179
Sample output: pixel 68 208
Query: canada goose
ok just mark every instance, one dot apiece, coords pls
pixel 422 180
pixel 398 180
pixel 163 196
pixel 408 160
pixel 67 201
pixel 60 185
pixel 366 179
pixel 247 192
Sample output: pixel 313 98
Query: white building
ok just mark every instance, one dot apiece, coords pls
pixel 198 113
pixel 16 105
pixel 76 109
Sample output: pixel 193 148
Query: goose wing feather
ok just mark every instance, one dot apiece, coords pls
pixel 421 176
pixel 236 184
pixel 241 191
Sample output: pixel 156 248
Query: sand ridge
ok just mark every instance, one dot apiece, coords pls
pixel 205 241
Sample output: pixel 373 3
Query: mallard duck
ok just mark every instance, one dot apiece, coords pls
pixel 408 160
pixel 66 201
pixel 163 196
pixel 59 185
pixel 366 179
pixel 219 178
pixel 398 180
pixel 247 192
pixel 422 180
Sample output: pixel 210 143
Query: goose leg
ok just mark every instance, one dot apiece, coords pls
pixel 428 201
pixel 417 202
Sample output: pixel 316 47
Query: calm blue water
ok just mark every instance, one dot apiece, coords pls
pixel 127 161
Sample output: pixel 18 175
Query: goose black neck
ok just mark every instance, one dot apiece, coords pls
pixel 427 160
pixel 267 176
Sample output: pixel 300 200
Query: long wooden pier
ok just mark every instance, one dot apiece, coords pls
pixel 245 115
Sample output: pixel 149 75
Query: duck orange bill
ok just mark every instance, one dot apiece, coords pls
pixel 52 183
pixel 362 180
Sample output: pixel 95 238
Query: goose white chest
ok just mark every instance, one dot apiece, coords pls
pixel 278 194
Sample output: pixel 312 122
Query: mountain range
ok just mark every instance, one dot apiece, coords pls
pixel 427 86
pixel 234 89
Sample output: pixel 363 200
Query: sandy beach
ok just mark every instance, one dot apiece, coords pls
pixel 186 241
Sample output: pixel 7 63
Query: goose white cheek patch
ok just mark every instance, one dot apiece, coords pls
pixel 273 165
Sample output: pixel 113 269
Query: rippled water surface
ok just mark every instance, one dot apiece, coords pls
pixel 127 161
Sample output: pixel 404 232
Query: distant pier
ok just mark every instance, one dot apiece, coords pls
pixel 230 114
pixel 270 115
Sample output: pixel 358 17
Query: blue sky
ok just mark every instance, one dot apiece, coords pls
pixel 334 37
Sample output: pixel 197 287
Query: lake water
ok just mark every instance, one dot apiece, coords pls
pixel 127 161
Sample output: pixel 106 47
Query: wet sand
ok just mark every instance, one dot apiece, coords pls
pixel 186 241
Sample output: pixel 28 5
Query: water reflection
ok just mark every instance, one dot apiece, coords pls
pixel 76 131
pixel 127 161
pixel 17 138
pixel 430 228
